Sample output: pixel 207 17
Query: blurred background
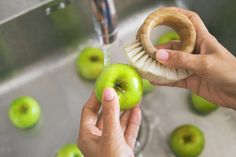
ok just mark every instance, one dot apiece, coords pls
pixel 27 34
pixel 39 41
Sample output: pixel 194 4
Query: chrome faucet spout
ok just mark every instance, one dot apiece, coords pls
pixel 105 20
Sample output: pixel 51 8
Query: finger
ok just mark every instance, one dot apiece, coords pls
pixel 174 45
pixel 100 122
pixel 133 127
pixel 124 120
pixel 110 112
pixel 89 112
pixel 178 59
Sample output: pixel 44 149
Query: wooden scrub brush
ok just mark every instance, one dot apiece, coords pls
pixel 141 52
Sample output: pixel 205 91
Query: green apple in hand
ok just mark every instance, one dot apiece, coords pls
pixel 201 105
pixel 24 112
pixel 69 150
pixel 125 81
pixel 89 63
pixel 147 86
pixel 166 37
pixel 187 141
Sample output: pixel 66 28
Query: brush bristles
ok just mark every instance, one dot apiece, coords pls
pixel 150 68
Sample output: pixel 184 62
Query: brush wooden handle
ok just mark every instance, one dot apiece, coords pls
pixel 174 19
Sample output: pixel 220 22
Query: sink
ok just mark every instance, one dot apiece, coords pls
pixel 219 16
pixel 47 72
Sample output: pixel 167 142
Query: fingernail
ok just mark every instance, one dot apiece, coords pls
pixel 162 55
pixel 108 94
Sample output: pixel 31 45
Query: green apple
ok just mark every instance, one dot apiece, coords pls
pixel 166 37
pixel 89 63
pixel 69 150
pixel 24 112
pixel 201 105
pixel 187 141
pixel 147 86
pixel 125 81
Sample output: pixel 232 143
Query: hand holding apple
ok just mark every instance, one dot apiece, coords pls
pixel 125 81
pixel 108 134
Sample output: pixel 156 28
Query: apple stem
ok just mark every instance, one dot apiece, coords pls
pixel 118 87
pixel 187 138
pixel 24 109
pixel 94 58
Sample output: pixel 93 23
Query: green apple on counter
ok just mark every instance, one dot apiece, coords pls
pixel 201 105
pixel 24 112
pixel 147 86
pixel 69 150
pixel 89 63
pixel 187 141
pixel 166 37
pixel 125 81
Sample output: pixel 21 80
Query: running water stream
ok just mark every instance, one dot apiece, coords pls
pixel 106 54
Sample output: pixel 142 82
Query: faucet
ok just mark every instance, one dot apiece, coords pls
pixel 105 20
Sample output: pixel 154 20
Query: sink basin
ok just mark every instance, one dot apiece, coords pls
pixel 53 81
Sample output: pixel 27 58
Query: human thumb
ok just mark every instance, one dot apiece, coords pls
pixel 110 111
pixel 179 59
